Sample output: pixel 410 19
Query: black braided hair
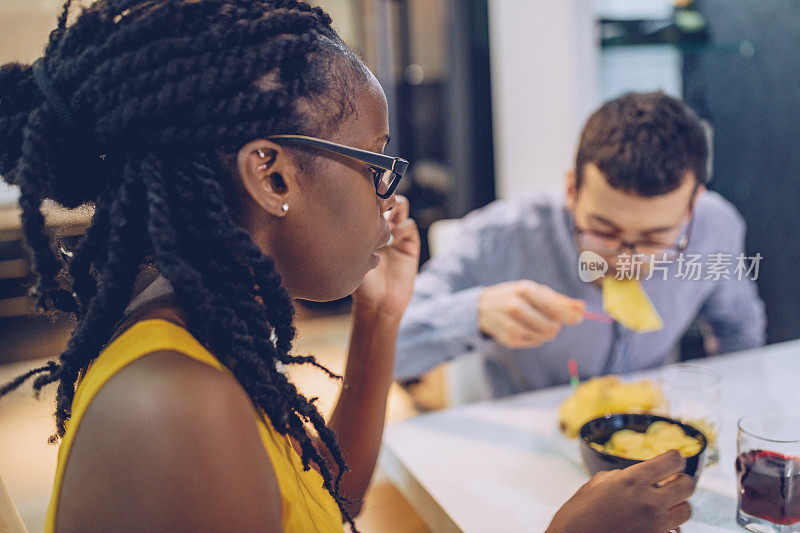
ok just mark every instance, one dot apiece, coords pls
pixel 163 93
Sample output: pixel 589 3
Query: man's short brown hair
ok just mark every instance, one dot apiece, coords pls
pixel 644 143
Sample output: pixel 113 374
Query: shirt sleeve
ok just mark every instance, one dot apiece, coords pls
pixel 733 310
pixel 441 321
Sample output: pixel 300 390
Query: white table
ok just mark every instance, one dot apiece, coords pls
pixel 501 466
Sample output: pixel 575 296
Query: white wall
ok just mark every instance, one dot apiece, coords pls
pixel 641 69
pixel 24 27
pixel 548 75
pixel 544 64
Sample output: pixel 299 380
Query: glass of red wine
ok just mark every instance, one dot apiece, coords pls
pixel 768 473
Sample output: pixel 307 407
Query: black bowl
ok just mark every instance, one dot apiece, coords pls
pixel 600 430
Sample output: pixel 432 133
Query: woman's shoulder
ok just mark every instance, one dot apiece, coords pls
pixel 179 438
pixel 162 388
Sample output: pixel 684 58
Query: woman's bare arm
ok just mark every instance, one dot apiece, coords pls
pixel 169 444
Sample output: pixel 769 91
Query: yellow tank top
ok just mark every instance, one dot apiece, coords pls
pixel 307 506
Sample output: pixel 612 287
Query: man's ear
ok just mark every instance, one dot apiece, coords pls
pixel 701 188
pixel 572 189
pixel 268 175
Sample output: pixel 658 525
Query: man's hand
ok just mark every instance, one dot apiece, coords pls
pixel 524 314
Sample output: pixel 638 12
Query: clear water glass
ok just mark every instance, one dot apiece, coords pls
pixel 691 394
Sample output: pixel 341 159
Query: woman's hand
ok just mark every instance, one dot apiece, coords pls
pixel 378 306
pixel 387 289
pixel 648 497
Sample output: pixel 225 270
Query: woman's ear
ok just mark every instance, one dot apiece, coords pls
pixel 268 175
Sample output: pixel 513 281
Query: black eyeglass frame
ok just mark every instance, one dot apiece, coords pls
pixel 396 165
pixel 673 250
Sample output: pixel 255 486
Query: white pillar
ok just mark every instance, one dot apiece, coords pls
pixel 544 60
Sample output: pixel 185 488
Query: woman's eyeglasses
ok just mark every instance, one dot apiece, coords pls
pixel 386 170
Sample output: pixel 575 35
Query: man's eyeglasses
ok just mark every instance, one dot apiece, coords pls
pixel 386 170
pixel 610 244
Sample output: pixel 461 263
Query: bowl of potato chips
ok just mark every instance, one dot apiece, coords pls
pixel 621 440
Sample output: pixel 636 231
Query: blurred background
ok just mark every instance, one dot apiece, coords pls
pixel 486 100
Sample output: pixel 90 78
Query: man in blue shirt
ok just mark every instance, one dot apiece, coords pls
pixel 510 287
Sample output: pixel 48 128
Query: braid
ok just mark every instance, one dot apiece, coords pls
pixel 89 252
pixel 249 268
pixel 105 308
pixel 235 322
pixel 163 87
pixel 61 26
pixel 19 380
pixel 30 179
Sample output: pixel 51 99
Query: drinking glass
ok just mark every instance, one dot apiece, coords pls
pixel 691 394
pixel 768 473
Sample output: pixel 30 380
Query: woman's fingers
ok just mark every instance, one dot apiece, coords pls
pixel 406 228
pixel 658 468
pixel 679 489
pixel 400 211
pixel 405 236
pixel 678 515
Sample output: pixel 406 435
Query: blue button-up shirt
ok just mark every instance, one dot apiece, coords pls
pixel 532 239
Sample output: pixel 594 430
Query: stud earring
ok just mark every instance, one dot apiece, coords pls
pixel 261 153
pixel 284 207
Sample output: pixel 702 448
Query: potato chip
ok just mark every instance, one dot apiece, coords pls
pixel 605 395
pixel 660 437
pixel 626 302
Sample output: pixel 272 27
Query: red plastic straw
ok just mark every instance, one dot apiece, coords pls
pixel 573 373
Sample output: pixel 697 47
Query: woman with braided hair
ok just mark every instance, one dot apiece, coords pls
pixel 232 152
